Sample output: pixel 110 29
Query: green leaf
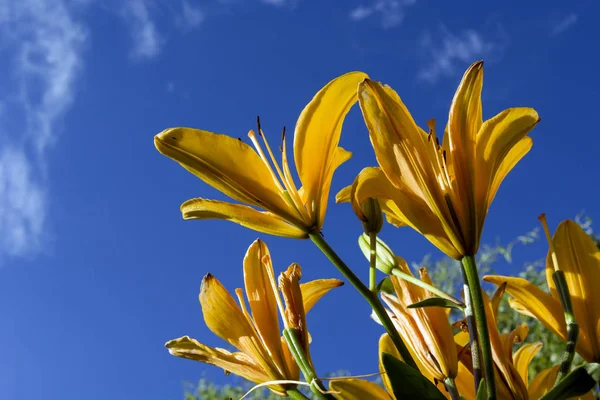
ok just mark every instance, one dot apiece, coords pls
pixel 436 302
pixel 408 383
pixel 482 391
pixel 580 381
pixel 386 286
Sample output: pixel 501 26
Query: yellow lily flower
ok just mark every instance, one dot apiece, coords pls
pixel 247 176
pixel 263 354
pixel 357 389
pixel 512 369
pixel 442 191
pixel 579 258
pixel 425 330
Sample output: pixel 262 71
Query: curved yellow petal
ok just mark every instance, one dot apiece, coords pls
pixel 356 389
pixel 464 121
pixel 248 217
pixel 225 163
pixel 464 382
pixel 340 156
pixel 542 382
pixel 317 135
pixel 261 298
pixel 387 346
pixel 578 258
pixel 522 358
pixel 236 363
pixel 312 291
pixel 539 303
pixel 512 158
pixel 499 147
pixel 225 319
pixel 410 161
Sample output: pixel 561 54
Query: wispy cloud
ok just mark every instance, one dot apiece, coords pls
pixel 390 12
pixel 191 16
pixel 43 45
pixel 564 24
pixel 281 3
pixel 443 58
pixel 147 42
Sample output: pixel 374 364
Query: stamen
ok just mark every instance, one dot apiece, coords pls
pixel 259 130
pixel 283 134
pixel 260 152
pixel 553 256
pixel 240 295
pixel 266 261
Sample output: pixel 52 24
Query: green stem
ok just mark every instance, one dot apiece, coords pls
pixel 373 263
pixel 295 394
pixel 371 297
pixel 305 365
pixel 483 334
pixel 409 278
pixel 572 325
pixel 474 342
pixel 451 388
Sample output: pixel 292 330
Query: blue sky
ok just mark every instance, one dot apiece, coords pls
pixel 97 269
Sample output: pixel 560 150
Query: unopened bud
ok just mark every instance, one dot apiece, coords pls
pixel 372 212
pixel 386 259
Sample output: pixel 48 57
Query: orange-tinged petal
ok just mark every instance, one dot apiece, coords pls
pixel 248 217
pixel 227 164
pixel 318 133
pixel 340 156
pixel 225 319
pixel 295 315
pixel 464 382
pixel 542 382
pixel 237 363
pixel 313 291
pixel 577 257
pixel 464 121
pixel 261 298
pixel 539 303
pixel 496 140
pixel 522 358
pixel 512 158
pixel 356 389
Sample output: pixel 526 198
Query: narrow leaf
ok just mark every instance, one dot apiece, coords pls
pixel 580 381
pixel 407 382
pixel 436 302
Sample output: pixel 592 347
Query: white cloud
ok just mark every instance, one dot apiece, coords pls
pixel 391 12
pixel 42 45
pixel 443 59
pixel 191 17
pixel 147 42
pixel 280 3
pixel 564 24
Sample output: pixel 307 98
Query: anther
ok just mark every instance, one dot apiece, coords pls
pixel 258 125
pixel 283 134
pixel 444 155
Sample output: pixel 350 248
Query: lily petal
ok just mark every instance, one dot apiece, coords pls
pixel 225 163
pixel 539 303
pixel 522 358
pixel 577 256
pixel 313 291
pixel 261 297
pixel 236 363
pixel 464 121
pixel 387 346
pixel 318 133
pixel 225 319
pixel 265 222
pixel 542 382
pixel 496 140
pixel 356 389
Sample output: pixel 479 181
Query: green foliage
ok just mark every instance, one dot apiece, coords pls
pixel 206 390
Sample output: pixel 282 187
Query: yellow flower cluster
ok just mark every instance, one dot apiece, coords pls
pixel 442 189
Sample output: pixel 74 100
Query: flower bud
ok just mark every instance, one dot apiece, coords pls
pixel 386 259
pixel 373 218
